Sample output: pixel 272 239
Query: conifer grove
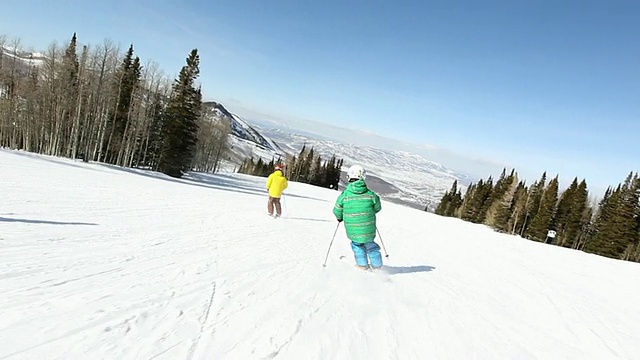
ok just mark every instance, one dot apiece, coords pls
pixel 306 168
pixel 610 228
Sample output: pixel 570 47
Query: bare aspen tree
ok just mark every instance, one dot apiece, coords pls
pixel 135 120
pixel 11 79
pixel 212 143
pixel 79 106
pixel 96 103
pixel 90 78
pixel 222 131
pixel 4 92
pixel 153 141
pixel 3 41
pixel 70 96
pixel 50 123
pixel 151 79
pixel 108 64
pixel 140 131
pixel 28 115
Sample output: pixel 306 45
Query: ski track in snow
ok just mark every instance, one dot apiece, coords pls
pixel 99 262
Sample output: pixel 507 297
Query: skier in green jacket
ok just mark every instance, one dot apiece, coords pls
pixel 357 206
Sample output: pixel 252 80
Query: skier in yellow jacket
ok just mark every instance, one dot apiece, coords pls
pixel 276 183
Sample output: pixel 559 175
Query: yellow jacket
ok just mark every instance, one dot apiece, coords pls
pixel 276 183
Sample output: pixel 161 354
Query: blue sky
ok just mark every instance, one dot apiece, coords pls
pixel 535 85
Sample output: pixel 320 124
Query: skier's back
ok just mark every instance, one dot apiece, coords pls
pixel 357 206
pixel 276 184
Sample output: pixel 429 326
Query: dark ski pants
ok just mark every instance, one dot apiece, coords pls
pixel 270 204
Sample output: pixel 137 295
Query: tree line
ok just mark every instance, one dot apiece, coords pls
pixel 99 104
pixel 306 167
pixel 610 228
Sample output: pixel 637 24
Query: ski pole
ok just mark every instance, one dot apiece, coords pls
pixel 331 243
pixel 382 242
pixel 284 202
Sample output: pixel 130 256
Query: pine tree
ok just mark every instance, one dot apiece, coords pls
pixel 586 232
pixel 181 120
pixel 257 169
pixel 154 141
pixel 476 201
pixel 290 165
pixel 616 226
pixel 128 76
pixel 316 175
pixel 543 220
pixel 450 202
pixel 533 203
pixel 498 190
pixel 333 172
pixel 579 217
pixel 298 164
pixel 465 211
pixel 628 225
pixel 564 210
pixel 484 200
pixel 456 202
pixel 501 201
pixel 446 200
pixel 305 167
pixel 247 166
pixel 324 175
pixel 603 231
pixel 570 215
pixel 269 167
pixel 69 82
pixel 518 208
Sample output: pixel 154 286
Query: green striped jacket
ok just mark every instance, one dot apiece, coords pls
pixel 357 206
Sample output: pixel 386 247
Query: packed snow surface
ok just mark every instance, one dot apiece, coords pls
pixel 101 262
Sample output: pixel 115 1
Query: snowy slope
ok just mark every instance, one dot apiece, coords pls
pixel 99 262
pixel 24 57
pixel 241 130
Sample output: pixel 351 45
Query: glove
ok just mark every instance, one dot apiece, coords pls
pixel 339 220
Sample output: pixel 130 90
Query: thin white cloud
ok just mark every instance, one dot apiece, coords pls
pixel 207 41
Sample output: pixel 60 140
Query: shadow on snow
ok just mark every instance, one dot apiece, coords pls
pixel 220 181
pixel 46 222
pixel 394 270
pixel 306 219
pixel 54 160
pixel 217 181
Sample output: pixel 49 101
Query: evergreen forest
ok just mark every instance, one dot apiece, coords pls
pixel 610 227
pixel 306 167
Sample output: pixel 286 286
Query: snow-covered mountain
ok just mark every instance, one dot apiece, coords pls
pixel 245 141
pixel 23 57
pixel 19 61
pixel 240 128
pixel 412 179
pixel 103 262
pixel 399 176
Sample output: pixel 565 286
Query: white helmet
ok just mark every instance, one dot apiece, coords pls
pixel 356 172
